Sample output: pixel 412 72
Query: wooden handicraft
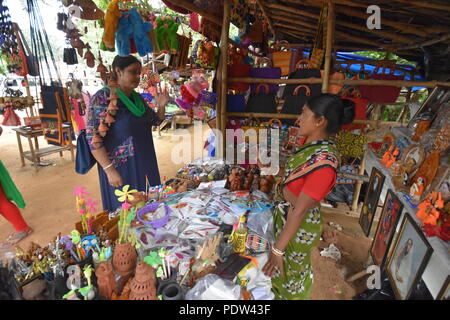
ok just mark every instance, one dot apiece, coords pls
pixel 428 168
pixel 403 170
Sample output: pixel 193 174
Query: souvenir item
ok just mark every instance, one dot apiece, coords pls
pixel 422 126
pixel 384 234
pixel 132 27
pixel 371 199
pixel 143 285
pixel 410 246
pixel 428 168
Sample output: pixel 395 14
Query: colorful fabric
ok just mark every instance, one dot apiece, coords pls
pixel 10 189
pixel 316 185
pixel 11 213
pixel 297 283
pixel 128 143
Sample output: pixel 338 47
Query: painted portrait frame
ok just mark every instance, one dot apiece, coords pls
pixel 407 219
pixel 364 221
pixel 390 196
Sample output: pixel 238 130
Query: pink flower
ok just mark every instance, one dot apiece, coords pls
pixel 91 205
pixel 80 191
pixel 126 206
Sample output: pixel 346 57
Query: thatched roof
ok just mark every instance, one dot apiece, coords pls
pixel 410 28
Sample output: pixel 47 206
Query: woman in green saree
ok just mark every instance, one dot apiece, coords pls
pixel 310 174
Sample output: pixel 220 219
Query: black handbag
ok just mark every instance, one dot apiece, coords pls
pixel 84 160
pixel 262 102
pixel 293 103
pixel 70 56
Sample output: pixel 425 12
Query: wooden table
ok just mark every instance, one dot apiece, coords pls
pixel 35 153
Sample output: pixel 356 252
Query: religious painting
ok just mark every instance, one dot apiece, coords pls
pixel 370 204
pixel 408 259
pixel 386 228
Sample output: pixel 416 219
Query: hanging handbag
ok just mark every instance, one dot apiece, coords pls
pixel 316 59
pixel 382 94
pixel 293 104
pixel 334 88
pixel 84 159
pixel 284 57
pixel 235 102
pixel 70 56
pixel 360 103
pixel 262 102
pixel 238 69
pixel 267 72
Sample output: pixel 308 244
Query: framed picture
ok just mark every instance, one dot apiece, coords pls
pixel 408 259
pixel 386 229
pixel 438 96
pixel 370 204
pixel 444 293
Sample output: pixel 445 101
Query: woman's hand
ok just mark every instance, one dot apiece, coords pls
pixel 162 97
pixel 273 264
pixel 114 178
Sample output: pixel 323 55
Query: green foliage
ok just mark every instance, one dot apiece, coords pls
pixel 382 55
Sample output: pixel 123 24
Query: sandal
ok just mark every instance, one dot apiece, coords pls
pixel 18 236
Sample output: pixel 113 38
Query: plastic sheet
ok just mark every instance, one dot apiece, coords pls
pixel 331 252
pixel 212 287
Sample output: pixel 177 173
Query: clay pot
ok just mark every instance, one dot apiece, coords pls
pixel 105 280
pixel 124 259
pixel 143 285
pixel 173 291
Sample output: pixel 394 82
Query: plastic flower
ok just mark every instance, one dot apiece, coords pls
pixel 153 259
pixel 91 205
pixel 125 195
pixel 126 206
pixel 80 192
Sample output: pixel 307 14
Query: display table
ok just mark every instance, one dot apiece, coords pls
pixel 438 267
pixel 35 153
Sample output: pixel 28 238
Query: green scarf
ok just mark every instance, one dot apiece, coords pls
pixel 10 189
pixel 138 107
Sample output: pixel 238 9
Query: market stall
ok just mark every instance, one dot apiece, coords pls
pixel 206 233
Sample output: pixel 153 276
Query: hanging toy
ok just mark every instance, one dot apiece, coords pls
pixel 166 34
pixel 112 17
pixel 132 32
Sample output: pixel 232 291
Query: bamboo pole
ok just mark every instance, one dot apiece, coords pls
pixel 292 12
pixel 358 185
pixel 329 47
pixel 295 116
pixel 425 43
pixel 370 82
pixel 269 20
pixel 224 73
pixel 427 4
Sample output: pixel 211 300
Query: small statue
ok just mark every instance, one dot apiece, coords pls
pixel 393 158
pixel 387 155
pixel 417 189
pixel 105 280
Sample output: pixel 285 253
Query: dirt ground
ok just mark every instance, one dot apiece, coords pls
pixel 51 209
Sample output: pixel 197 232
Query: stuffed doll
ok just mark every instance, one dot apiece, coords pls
pixel 112 17
pixel 166 34
pixel 131 28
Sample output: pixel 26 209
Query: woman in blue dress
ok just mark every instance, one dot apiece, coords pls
pixel 125 154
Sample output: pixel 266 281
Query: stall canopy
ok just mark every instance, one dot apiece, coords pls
pixel 415 30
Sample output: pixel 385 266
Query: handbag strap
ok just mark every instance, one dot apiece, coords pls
pixel 308 90
pixel 302 63
pixel 271 121
pixel 354 93
pixel 385 64
pixel 265 85
pixel 260 61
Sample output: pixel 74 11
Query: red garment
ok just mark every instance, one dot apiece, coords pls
pixel 317 184
pixel 11 213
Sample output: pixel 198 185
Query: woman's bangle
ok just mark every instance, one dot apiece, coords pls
pixel 108 166
pixel 277 252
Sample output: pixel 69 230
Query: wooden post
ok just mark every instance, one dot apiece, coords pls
pixel 27 88
pixel 329 47
pixel 358 184
pixel 223 76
